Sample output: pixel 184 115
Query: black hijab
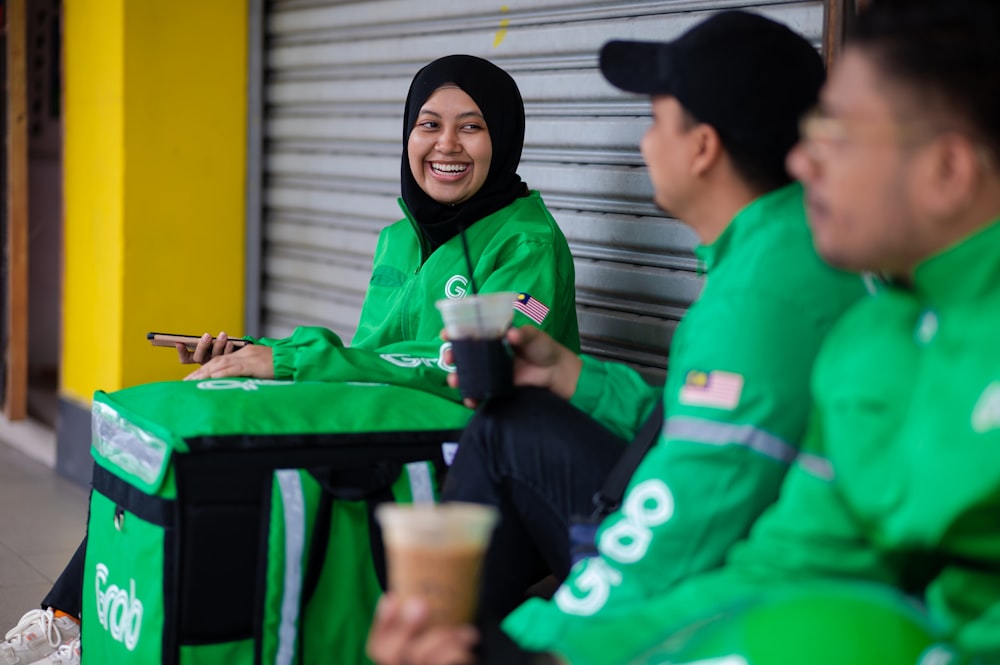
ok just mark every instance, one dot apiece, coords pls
pixel 497 96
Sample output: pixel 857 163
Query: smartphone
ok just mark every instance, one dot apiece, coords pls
pixel 190 341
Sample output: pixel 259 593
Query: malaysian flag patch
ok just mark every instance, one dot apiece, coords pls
pixel 531 308
pixel 717 389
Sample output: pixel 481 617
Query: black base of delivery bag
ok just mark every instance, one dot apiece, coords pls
pixel 229 519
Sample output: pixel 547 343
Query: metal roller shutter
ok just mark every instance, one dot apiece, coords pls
pixel 335 78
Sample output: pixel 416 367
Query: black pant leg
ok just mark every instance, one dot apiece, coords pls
pixel 67 592
pixel 539 460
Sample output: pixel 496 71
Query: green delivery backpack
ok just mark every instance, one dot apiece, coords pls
pixel 229 518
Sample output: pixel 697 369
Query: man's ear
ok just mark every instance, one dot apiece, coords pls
pixel 707 149
pixel 947 175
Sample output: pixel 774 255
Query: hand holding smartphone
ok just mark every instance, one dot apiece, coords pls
pixel 190 342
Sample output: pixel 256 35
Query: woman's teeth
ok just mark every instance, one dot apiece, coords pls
pixel 448 168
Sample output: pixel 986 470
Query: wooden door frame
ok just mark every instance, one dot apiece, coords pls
pixel 15 406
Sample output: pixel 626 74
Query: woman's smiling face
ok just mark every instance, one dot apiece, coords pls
pixel 449 146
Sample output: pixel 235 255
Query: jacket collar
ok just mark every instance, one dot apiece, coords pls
pixel 756 214
pixel 964 272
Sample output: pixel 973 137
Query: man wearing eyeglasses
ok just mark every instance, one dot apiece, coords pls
pixel 898 485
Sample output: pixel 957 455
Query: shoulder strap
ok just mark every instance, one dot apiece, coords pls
pixel 608 498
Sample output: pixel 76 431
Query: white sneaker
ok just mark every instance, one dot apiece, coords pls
pixel 37 635
pixel 67 654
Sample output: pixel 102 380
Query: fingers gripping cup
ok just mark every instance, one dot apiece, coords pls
pixel 476 325
pixel 435 552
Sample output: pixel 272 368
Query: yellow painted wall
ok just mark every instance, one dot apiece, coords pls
pixel 93 164
pixel 155 167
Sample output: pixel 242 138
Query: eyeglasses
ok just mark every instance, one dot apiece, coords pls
pixel 821 133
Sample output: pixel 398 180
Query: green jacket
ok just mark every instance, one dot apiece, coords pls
pixel 736 404
pixel 899 479
pixel 519 248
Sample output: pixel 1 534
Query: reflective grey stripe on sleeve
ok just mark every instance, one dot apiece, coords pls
pixel 816 465
pixel 714 433
pixel 293 504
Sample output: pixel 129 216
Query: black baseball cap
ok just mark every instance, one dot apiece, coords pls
pixel 747 76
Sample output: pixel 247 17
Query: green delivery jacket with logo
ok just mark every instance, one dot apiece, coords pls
pixel 736 404
pixel 899 480
pixel 518 248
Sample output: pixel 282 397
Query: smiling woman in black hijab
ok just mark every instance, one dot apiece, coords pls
pixel 463 130
pixel 495 93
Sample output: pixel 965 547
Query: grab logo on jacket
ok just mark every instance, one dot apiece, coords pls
pixel 986 413
pixel 119 611
pixel 456 287
pixel 648 505
pixel 412 362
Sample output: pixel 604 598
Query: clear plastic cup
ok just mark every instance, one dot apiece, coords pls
pixel 476 326
pixel 435 552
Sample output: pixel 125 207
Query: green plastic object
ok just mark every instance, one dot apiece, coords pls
pixel 843 624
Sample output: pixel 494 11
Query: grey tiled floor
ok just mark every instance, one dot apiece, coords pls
pixel 42 520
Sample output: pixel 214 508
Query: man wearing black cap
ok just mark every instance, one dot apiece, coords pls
pixel 726 101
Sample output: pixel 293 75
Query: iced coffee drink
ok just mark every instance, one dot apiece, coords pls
pixel 435 552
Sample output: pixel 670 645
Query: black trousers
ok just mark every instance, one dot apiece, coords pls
pixel 67 592
pixel 539 460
